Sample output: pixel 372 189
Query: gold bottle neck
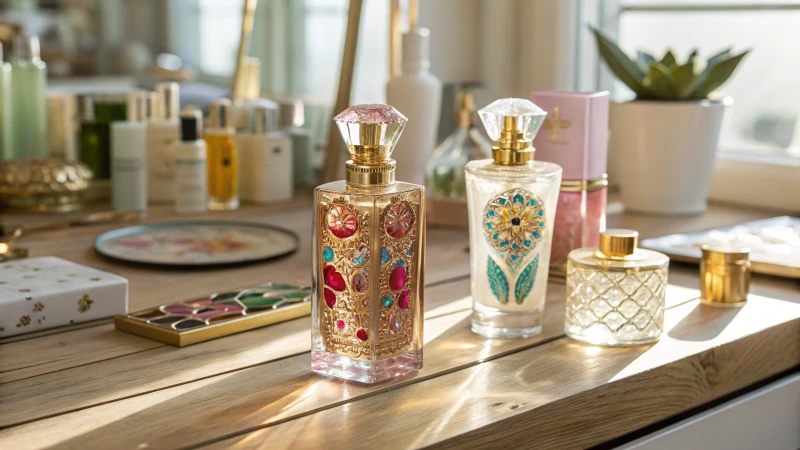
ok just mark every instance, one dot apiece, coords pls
pixel 512 149
pixel 370 166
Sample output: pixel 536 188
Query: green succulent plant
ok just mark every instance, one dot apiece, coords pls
pixel 667 79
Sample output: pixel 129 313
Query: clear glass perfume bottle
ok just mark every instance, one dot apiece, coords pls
pixel 369 243
pixel 512 204
pixel 615 293
pixel 466 143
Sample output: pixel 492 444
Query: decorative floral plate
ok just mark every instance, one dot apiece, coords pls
pixel 196 244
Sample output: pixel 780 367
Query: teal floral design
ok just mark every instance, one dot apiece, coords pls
pixel 497 281
pixel 514 223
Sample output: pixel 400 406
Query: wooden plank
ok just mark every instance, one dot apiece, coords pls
pixel 62 351
pixel 164 366
pixel 563 394
pixel 237 401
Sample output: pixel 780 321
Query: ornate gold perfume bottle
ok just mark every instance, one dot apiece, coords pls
pixel 369 243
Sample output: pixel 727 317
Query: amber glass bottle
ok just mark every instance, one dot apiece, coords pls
pixel 223 166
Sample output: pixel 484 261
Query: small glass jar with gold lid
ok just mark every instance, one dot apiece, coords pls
pixel 615 293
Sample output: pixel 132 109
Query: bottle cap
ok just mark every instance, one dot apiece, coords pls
pixel 219 113
pixel 724 274
pixel 85 108
pixel 292 113
pixel 416 47
pixel 466 106
pixel 191 124
pixel 512 123
pixel 370 132
pixel 167 102
pixel 265 119
pixel 618 244
pixel 137 106
pixel 26 48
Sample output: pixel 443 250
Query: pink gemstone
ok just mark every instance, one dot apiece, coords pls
pixel 334 279
pixel 330 298
pixel 403 300
pixel 360 282
pixel 362 334
pixel 340 324
pixel 397 279
pixel 399 219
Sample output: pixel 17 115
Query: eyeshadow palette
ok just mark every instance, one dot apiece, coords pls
pixel 217 315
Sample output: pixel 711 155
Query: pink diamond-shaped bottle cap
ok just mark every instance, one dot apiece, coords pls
pixel 371 126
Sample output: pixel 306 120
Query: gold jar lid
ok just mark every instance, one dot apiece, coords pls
pixel 619 244
pixel 724 274
pixel 43 184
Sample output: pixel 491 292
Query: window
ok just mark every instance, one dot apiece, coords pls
pixel 760 138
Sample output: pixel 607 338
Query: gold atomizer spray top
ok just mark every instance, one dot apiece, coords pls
pixel 370 132
pixel 512 123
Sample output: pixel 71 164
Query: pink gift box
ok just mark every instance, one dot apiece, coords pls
pixel 575 133
pixel 575 136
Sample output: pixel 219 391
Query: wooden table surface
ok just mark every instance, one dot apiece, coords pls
pixel 89 386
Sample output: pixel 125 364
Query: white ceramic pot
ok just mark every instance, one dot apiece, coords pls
pixel 661 154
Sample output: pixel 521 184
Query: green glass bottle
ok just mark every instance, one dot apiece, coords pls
pixel 28 101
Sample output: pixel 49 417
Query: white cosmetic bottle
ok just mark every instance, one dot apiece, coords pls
pixel 191 178
pixel 128 157
pixel 266 159
pixel 163 131
pixel 418 94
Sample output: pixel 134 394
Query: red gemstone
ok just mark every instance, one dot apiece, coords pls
pixel 341 222
pixel 330 298
pixel 334 279
pixel 403 299
pixel 340 324
pixel 362 334
pixel 397 279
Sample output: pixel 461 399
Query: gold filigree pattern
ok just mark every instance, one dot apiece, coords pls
pixel 398 276
pixel 345 307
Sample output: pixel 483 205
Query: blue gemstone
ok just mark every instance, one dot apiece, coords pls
pixel 360 260
pixel 409 252
pixel 518 199
pixel 514 257
pixel 385 256
pixel 488 226
pixel 541 212
pixel 501 201
pixel 527 243
pixel 532 202
pixel 496 236
pixel 541 224
pixel 490 213
pixel 536 234
pixel 504 243
pixel 515 246
pixel 402 262
pixel 386 301
pixel 327 254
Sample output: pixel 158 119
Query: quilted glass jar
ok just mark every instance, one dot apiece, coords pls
pixel 615 293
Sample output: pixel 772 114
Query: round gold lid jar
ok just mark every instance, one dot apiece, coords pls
pixel 43 184
pixel 616 292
